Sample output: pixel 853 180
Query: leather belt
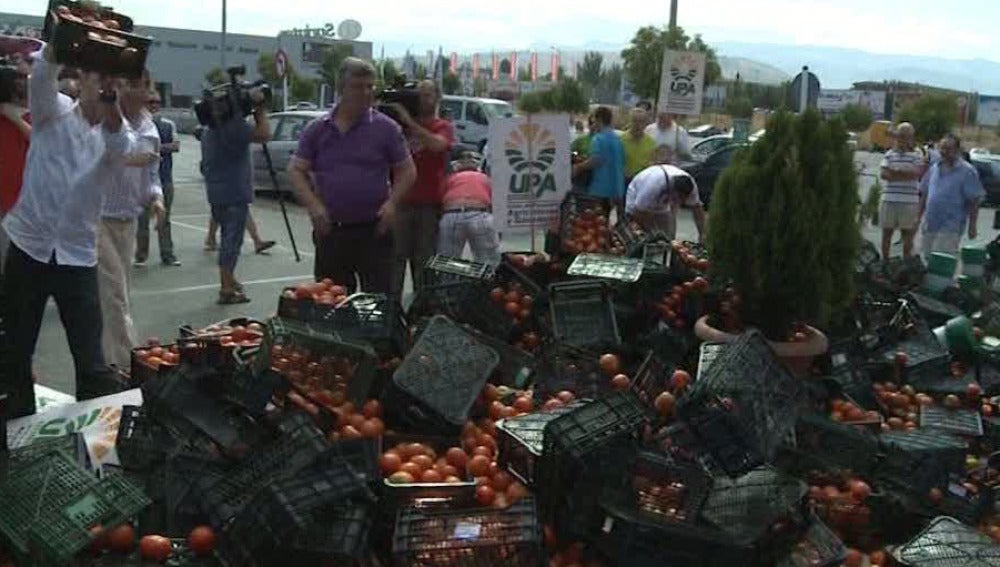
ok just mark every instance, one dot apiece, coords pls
pixel 476 209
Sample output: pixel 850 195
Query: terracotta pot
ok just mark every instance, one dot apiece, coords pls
pixel 797 356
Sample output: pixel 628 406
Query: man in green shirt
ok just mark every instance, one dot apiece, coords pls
pixel 639 146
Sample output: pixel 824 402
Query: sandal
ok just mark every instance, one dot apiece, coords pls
pixel 232 298
pixel 264 246
pixel 211 246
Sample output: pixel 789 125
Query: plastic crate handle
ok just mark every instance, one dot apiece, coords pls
pixel 580 288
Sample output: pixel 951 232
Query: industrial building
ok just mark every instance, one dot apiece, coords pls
pixel 179 59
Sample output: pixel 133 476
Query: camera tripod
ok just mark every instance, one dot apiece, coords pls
pixel 281 198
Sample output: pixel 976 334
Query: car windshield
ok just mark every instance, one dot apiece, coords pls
pixel 499 109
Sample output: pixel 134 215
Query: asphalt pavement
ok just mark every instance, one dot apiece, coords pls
pixel 165 298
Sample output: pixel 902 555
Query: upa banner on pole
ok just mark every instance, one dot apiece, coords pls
pixel 530 170
pixel 682 82
pixel 989 111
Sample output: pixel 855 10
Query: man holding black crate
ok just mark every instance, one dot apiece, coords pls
pixel 53 230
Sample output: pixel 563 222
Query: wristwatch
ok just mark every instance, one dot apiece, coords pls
pixel 109 97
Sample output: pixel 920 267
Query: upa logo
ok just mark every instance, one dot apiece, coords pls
pixel 531 152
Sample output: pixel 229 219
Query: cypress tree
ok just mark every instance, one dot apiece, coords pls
pixel 784 227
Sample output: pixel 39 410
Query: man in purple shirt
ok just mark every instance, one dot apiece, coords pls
pixel 341 173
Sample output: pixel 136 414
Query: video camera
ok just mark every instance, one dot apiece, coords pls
pixel 237 98
pixel 405 94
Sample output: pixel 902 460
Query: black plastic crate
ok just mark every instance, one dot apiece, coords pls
pixel 445 269
pixel 299 445
pixel 617 269
pixel 352 366
pixel 470 303
pixel 837 444
pixel 583 451
pixel 373 318
pixel 395 496
pixel 295 308
pixel 508 275
pixel 141 442
pixel 175 488
pixel 339 533
pixel 947 542
pixel 510 537
pixel 962 422
pixel 819 548
pixel 516 366
pixel 920 460
pixel 934 311
pixel 440 379
pixel 868 259
pixel 763 505
pixel 926 358
pixel 565 367
pixel 583 314
pixel 627 539
pixel 538 269
pixel 520 440
pixel 651 379
pixel 71 445
pixel 664 489
pixel 745 405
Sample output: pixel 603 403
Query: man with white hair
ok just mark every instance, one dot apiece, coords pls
pixel 667 132
pixel 901 169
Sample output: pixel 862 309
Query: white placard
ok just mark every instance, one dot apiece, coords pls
pixel 530 170
pixel 682 82
pixel 989 111
pixel 97 419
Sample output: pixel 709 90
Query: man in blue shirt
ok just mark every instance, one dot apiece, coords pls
pixel 225 163
pixel 606 162
pixel 950 193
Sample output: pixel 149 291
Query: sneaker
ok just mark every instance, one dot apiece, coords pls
pixel 172 262
pixel 140 263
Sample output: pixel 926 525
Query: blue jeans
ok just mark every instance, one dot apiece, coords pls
pixel 232 221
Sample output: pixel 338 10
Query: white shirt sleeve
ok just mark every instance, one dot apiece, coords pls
pixel 44 99
pixel 694 199
pixel 630 196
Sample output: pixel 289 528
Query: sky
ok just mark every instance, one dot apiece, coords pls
pixel 915 27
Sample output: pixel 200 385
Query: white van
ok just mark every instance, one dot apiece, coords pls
pixel 471 117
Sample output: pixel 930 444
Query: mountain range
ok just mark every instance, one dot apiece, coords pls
pixel 837 68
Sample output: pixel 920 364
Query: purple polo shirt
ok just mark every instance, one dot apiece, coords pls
pixel 351 169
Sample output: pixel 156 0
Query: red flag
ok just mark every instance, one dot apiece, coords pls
pixel 513 65
pixel 496 66
pixel 454 63
pixel 534 67
pixel 475 66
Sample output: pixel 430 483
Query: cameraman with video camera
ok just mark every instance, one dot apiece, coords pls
pixel 53 230
pixel 225 152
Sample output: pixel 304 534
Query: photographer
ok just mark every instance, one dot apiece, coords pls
pixel 225 151
pixel 350 153
pixel 431 139
pixel 53 231
pixel 15 132
pixel 128 186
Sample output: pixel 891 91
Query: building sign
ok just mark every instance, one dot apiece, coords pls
pixel 20 29
pixel 682 82
pixel 530 169
pixel 989 111
pixel 326 30
pixel 832 101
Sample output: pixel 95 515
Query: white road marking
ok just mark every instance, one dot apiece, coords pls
pixel 147 292
pixel 204 230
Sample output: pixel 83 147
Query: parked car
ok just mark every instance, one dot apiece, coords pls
pixel 471 117
pixel 852 141
pixel 705 130
pixel 709 145
pixel 285 130
pixel 706 170
pixel 305 105
pixel 756 135
pixel 989 176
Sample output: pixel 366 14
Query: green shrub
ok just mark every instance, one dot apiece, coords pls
pixel 784 224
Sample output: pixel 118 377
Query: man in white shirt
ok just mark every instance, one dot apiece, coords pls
pixel 53 231
pixel 901 169
pixel 129 186
pixel 667 132
pixel 655 194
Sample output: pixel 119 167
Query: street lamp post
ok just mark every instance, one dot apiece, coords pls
pixel 223 34
pixel 673 14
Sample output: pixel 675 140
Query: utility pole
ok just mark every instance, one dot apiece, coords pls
pixel 223 35
pixel 673 15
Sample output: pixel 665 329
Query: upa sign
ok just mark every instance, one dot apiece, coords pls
pixel 281 63
pixel 989 111
pixel 682 82
pixel 530 169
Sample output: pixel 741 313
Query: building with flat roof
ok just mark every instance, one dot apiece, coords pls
pixel 179 59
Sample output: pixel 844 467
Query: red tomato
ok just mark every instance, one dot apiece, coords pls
pixel 680 380
pixel 524 404
pixel 501 481
pixel 479 465
pixel 665 404
pixel 122 538
pixel 456 458
pixel 154 548
pixel 431 476
pixel 485 495
pixel 854 558
pixel 201 540
pixel 497 295
pixel 423 461
pixel 620 382
pixel 566 396
pixel 860 490
pixel 401 477
pixel 610 364
pixel 372 408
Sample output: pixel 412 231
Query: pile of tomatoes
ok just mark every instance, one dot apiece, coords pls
pixel 518 305
pixel 156 548
pixel 673 306
pixel 323 292
pixel 691 255
pixel 850 413
pixel 249 335
pixel 588 231
pixel 311 372
pixel 154 356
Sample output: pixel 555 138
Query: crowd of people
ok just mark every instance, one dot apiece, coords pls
pixel 87 164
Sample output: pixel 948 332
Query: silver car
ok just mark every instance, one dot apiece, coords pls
pixel 285 130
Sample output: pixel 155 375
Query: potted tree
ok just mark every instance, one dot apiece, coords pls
pixel 783 237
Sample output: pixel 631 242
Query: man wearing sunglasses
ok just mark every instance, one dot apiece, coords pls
pixel 169 145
